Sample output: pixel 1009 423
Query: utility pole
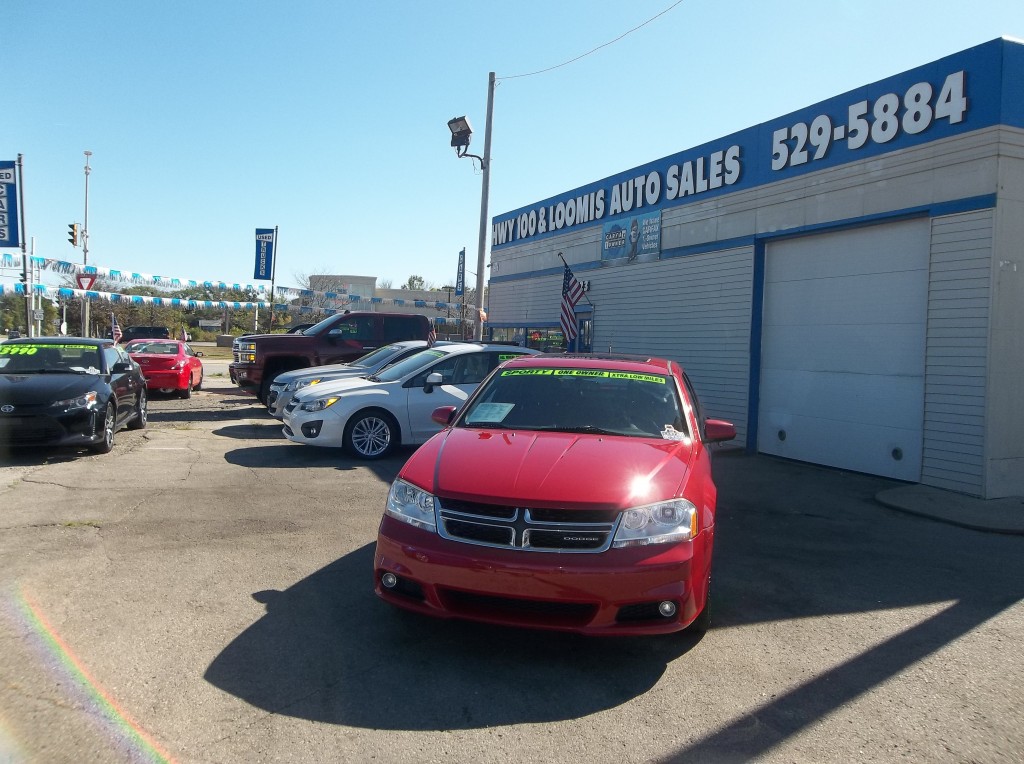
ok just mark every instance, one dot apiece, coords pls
pixel 85 247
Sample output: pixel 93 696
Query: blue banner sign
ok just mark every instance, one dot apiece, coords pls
pixel 10 236
pixel 460 277
pixel 632 237
pixel 264 254
pixel 967 91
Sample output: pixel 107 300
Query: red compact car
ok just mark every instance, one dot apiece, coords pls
pixel 168 365
pixel 570 493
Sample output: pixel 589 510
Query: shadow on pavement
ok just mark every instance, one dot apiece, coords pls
pixel 300 456
pixel 270 430
pixel 799 541
pixel 328 650
pixel 793 541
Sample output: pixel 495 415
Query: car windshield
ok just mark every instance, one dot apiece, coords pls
pixel 378 356
pixel 602 401
pixel 410 365
pixel 39 358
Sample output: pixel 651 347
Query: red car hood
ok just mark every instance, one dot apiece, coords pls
pixel 550 468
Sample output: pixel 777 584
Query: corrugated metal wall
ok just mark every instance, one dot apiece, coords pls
pixel 695 310
pixel 957 352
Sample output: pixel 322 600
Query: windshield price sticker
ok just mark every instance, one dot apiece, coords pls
pixel 23 348
pixel 880 122
pixel 490 412
pixel 18 349
pixel 584 373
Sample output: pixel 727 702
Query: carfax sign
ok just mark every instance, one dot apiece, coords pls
pixel 631 237
pixel 974 89
pixel 10 236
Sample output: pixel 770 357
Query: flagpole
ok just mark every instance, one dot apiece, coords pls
pixel 567 266
pixel 273 272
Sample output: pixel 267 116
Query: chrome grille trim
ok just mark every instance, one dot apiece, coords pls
pixel 523 531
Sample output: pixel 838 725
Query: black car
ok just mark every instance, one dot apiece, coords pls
pixel 145 333
pixel 66 391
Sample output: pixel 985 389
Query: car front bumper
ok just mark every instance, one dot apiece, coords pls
pixel 320 428
pixel 79 427
pixel 616 592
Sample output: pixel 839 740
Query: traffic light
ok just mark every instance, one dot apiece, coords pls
pixel 73 234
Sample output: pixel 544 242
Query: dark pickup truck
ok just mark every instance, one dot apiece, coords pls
pixel 258 358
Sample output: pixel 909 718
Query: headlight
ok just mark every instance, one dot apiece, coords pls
pixel 87 401
pixel 247 347
pixel 302 383
pixel 319 404
pixel 411 505
pixel 667 522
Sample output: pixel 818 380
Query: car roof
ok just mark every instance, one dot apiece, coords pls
pixel 462 347
pixel 641 364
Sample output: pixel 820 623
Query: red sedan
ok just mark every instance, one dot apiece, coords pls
pixel 168 365
pixel 570 493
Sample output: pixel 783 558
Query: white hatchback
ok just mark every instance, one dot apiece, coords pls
pixel 370 416
pixel 285 385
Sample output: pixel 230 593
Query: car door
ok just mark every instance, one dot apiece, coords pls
pixel 194 364
pixel 460 374
pixel 122 383
pixel 351 337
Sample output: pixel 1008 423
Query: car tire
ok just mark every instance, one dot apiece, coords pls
pixel 371 434
pixel 199 384
pixel 264 390
pixel 106 444
pixel 187 392
pixel 141 413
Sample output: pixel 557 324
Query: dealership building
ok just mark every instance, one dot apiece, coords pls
pixel 844 283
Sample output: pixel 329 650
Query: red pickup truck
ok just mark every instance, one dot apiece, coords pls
pixel 258 358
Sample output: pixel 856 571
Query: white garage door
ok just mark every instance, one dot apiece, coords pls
pixel 843 344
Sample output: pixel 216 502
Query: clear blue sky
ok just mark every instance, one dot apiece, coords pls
pixel 210 118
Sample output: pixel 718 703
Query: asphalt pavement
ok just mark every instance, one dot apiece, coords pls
pixel 204 594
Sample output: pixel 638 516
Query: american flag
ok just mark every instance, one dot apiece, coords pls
pixel 572 292
pixel 431 336
pixel 115 328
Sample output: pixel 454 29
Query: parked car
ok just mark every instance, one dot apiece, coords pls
pixel 68 391
pixel 371 416
pixel 144 333
pixel 287 384
pixel 570 493
pixel 170 366
pixel 258 358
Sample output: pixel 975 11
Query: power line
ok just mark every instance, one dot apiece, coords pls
pixel 604 45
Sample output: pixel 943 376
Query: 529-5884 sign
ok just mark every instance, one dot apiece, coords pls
pixel 912 112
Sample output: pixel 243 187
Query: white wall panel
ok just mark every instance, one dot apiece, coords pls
pixel 958 319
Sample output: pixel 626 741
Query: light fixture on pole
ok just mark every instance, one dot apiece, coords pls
pixel 461 134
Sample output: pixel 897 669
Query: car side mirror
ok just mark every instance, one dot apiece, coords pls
pixel 432 381
pixel 716 431
pixel 121 367
pixel 199 354
pixel 443 415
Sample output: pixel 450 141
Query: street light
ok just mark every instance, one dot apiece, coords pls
pixel 461 134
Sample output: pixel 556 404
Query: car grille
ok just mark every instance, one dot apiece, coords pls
pixel 525 528
pixel 521 610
